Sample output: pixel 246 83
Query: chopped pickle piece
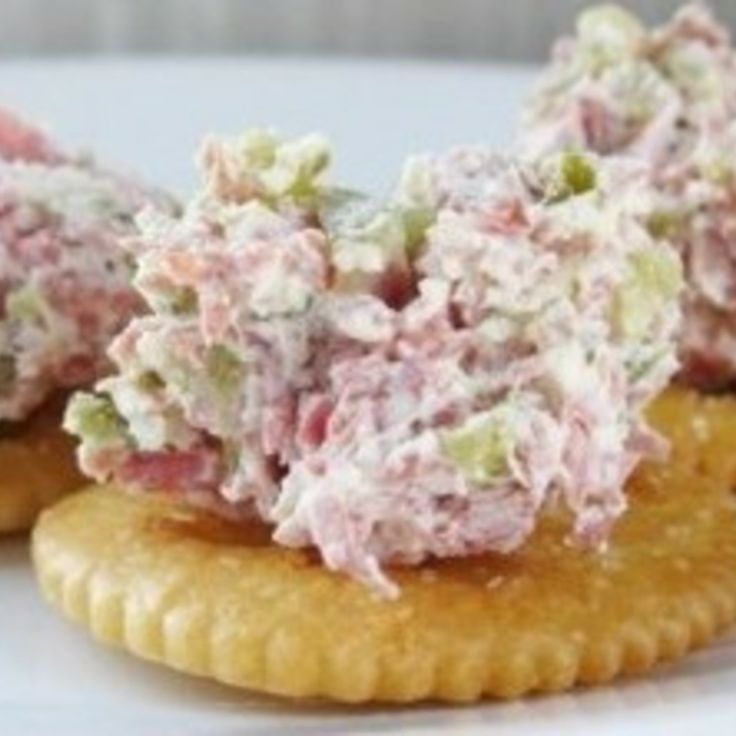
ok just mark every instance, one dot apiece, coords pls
pixel 150 381
pixel 417 220
pixel 572 175
pixel 578 173
pixel 26 303
pixel 663 224
pixel 184 301
pixel 95 418
pixel 609 33
pixel 481 446
pixel 258 148
pixel 224 368
pixel 655 278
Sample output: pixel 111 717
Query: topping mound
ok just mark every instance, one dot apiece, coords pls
pixel 392 380
pixel 64 281
pixel 668 97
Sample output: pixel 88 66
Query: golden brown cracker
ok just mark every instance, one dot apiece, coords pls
pixel 210 598
pixel 702 429
pixel 37 466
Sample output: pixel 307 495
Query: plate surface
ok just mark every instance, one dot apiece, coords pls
pixel 147 116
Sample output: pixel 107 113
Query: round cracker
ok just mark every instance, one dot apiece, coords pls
pixel 212 598
pixel 37 467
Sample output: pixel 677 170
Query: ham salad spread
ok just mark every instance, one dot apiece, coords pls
pixel 667 97
pixel 397 380
pixel 64 280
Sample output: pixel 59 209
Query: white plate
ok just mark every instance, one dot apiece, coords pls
pixel 148 116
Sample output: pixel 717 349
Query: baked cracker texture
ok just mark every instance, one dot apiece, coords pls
pixel 207 597
pixel 37 467
pixel 702 430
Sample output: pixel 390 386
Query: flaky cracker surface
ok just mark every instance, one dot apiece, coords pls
pixel 37 467
pixel 211 598
pixel 702 429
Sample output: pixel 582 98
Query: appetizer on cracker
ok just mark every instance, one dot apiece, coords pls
pixel 381 402
pixel 666 97
pixel 394 450
pixel 64 292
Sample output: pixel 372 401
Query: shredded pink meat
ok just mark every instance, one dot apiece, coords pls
pixel 64 278
pixel 668 98
pixel 22 142
pixel 434 403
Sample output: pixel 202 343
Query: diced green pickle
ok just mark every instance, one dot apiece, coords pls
pixel 26 304
pixel 609 33
pixel 578 174
pixel 417 220
pixel 94 418
pixel 481 447
pixel 183 301
pixel 664 225
pixel 655 280
pixel 224 368
pixel 572 175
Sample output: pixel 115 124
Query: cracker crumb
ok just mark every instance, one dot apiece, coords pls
pixel 494 582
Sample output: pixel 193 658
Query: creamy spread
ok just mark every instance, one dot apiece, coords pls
pixel 668 97
pixel 64 280
pixel 390 381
